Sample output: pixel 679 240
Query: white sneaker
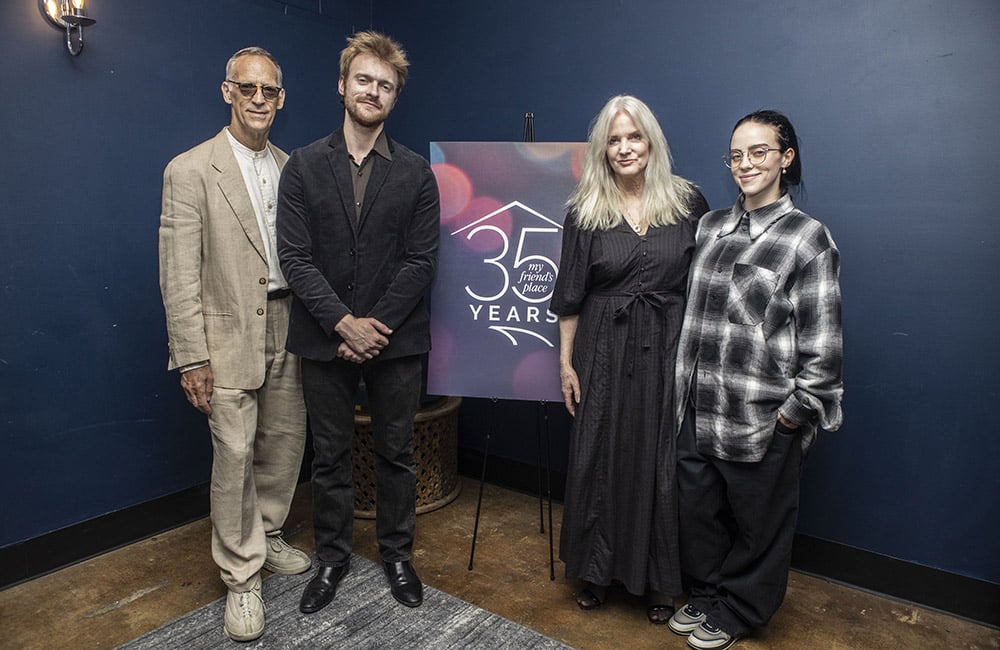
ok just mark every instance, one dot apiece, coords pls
pixel 708 637
pixel 686 620
pixel 244 618
pixel 282 558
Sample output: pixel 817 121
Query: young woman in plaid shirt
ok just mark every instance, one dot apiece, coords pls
pixel 758 370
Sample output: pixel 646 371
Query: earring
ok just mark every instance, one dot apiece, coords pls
pixel 784 170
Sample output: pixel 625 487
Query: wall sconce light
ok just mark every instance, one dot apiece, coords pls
pixel 69 16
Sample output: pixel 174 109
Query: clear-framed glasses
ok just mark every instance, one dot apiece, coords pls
pixel 248 89
pixel 756 156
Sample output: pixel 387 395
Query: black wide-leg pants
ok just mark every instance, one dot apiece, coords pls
pixel 330 389
pixel 737 523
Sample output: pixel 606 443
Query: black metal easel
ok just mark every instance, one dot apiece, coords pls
pixel 482 478
pixel 543 409
pixel 542 428
pixel 528 135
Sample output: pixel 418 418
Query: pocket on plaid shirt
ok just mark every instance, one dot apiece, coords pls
pixel 750 293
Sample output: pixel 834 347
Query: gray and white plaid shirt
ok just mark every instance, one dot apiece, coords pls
pixel 762 330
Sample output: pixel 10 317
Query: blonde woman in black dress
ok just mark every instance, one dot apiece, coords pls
pixel 627 243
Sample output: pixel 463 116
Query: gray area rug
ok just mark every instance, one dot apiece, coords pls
pixel 363 615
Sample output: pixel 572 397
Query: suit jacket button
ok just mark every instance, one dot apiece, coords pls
pixel 260 312
pixel 262 280
pixel 350 286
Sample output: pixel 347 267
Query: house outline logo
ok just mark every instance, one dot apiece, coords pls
pixel 531 278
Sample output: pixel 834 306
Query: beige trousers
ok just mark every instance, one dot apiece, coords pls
pixel 258 438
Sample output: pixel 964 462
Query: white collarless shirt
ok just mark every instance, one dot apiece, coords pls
pixel 260 173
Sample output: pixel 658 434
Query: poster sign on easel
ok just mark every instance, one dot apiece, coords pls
pixel 502 209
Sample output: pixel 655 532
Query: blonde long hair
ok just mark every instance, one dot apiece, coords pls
pixel 598 202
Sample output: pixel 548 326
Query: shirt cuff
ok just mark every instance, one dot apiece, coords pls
pixel 192 366
pixel 797 412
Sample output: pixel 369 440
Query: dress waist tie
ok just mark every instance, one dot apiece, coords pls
pixel 656 300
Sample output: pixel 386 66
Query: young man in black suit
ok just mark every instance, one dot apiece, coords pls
pixel 358 230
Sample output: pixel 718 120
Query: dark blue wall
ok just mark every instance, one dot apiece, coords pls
pixel 91 420
pixel 896 103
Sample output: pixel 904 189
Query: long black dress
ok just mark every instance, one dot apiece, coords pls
pixel 620 512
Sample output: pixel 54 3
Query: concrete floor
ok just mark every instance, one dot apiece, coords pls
pixel 123 594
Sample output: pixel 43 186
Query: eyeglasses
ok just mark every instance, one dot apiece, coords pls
pixel 757 155
pixel 248 89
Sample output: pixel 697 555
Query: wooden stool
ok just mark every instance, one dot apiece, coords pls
pixel 435 448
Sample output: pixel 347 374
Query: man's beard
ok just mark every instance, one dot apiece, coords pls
pixel 352 109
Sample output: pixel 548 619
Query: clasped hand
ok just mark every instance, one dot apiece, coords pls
pixel 363 338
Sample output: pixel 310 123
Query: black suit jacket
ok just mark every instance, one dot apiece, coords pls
pixel 380 265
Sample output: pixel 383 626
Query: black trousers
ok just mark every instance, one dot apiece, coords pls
pixel 737 523
pixel 330 389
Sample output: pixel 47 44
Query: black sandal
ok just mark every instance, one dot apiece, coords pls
pixel 659 614
pixel 591 597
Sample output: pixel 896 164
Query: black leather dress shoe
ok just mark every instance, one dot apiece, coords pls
pixel 322 588
pixel 404 583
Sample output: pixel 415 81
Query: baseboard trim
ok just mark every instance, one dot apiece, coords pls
pixel 53 551
pixel 951 593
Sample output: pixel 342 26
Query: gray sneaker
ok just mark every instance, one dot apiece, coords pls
pixel 708 637
pixel 282 558
pixel 686 620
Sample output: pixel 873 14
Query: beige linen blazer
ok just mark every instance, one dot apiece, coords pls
pixel 213 265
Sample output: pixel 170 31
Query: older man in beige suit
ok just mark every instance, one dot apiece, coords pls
pixel 227 307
